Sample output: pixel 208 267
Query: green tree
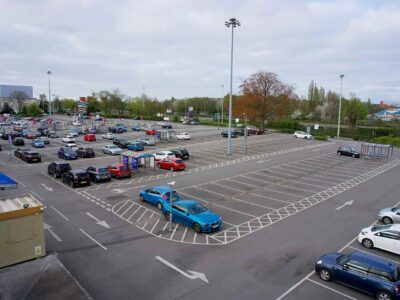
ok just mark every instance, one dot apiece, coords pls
pixel 93 105
pixel 34 110
pixel 355 110
pixel 7 109
pixel 69 105
pixel 19 97
pixel 43 103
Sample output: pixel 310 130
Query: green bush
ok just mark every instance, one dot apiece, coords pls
pixel 388 140
pixel 321 137
pixel 175 118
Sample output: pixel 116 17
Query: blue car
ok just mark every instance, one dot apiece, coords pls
pixel 158 195
pixel 37 144
pixel 194 215
pixel 136 128
pixel 370 274
pixel 67 154
pixel 135 146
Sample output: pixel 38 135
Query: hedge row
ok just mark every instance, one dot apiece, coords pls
pixel 389 140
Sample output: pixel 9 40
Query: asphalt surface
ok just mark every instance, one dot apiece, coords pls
pixel 279 205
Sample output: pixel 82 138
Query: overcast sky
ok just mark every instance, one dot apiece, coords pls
pixel 181 48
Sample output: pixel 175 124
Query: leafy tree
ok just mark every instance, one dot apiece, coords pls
pixel 43 103
pixel 355 110
pixel 262 87
pixel 93 105
pixel 24 111
pixel 19 97
pixel 69 105
pixel 7 109
pixel 34 110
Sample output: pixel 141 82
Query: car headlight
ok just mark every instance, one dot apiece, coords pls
pixel 319 262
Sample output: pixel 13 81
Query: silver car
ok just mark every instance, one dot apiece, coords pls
pixel 390 215
pixel 147 141
pixel 112 150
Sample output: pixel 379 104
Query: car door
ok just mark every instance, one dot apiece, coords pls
pixel 151 196
pixel 353 273
pixel 388 240
pixel 178 213
pixel 396 216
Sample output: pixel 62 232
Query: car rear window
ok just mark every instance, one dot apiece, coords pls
pixel 102 170
pixel 64 166
pixel 35 154
pixel 174 194
pixel 179 161
pixel 81 175
pixel 197 209
pixel 123 168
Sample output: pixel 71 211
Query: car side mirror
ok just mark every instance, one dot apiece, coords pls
pixel 345 267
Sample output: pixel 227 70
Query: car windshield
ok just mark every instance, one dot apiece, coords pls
pixel 380 227
pixel 112 147
pixel 33 153
pixel 197 209
pixel 102 170
pixel 342 260
pixel 179 161
pixel 81 175
pixel 64 166
pixel 352 149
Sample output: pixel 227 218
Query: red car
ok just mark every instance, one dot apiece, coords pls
pixel 150 131
pixel 119 171
pixel 172 164
pixel 89 137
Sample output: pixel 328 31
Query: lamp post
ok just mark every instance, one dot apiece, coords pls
pixel 171 184
pixel 231 23
pixel 222 107
pixel 340 105
pixel 245 133
pixel 49 73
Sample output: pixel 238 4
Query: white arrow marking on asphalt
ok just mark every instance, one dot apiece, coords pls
pixel 47 188
pixel 193 275
pixel 101 223
pixel 49 229
pixel 348 203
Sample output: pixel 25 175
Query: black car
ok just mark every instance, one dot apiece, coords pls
pixel 122 143
pixel 166 126
pixel 85 152
pixel 239 131
pixel 27 155
pixel 115 129
pixel 43 131
pixel 58 168
pixel 348 151
pixel 225 134
pixel 182 153
pixel 66 153
pixel 18 141
pixel 98 173
pixel 76 177
pixel 18 152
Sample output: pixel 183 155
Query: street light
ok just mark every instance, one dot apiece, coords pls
pixel 231 23
pixel 222 108
pixel 340 105
pixel 49 73
pixel 171 184
pixel 245 133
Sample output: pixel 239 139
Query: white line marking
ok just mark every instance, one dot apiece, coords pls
pixel 173 232
pixel 81 230
pixel 158 220
pixel 40 198
pixel 331 289
pixel 193 275
pixel 137 221
pixel 59 213
pixel 184 234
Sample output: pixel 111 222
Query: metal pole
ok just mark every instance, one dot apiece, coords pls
pixel 340 105
pixel 186 118
pixel 49 73
pixel 170 204
pixel 245 133
pixel 222 108
pixel 229 152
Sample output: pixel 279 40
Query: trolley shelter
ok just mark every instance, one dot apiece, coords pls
pixel 376 151
pixel 167 135
pixel 7 183
pixel 135 161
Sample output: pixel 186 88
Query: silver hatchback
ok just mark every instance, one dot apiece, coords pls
pixel 390 215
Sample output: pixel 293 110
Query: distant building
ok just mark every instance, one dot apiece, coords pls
pixel 6 92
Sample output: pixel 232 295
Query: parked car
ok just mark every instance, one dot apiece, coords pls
pixel 302 135
pixel 253 130
pixel 194 215
pixel 28 155
pixel 182 136
pixel 98 173
pixel 182 153
pixel 31 135
pixel 112 150
pixel 72 133
pixel 135 146
pixel 18 152
pixel 385 237
pixel 122 143
pixel 148 141
pixel 151 131
pixel 85 152
pixel 71 145
pixel 163 154
pixel 58 168
pixel 348 151
pixel 68 138
pixel 53 135
pixel 226 133
pixel 115 129
pixel 89 137
pixel 76 177
pixel 45 140
pixel 119 171
pixel 76 123
pixel 137 128
pixel 166 126
pixel 389 215
pixel 108 136
pixel 37 143
pixel 18 141
pixel 172 164
pixel 158 195
pixel 368 273
pixel 67 153
pixel 239 131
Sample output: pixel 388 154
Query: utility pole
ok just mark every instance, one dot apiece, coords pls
pixel 340 105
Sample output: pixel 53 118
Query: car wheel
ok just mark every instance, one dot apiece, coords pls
pixel 340 153
pixel 197 228
pixel 72 184
pixel 325 274
pixel 55 175
pixel 141 198
pixel 367 243
pixel 383 295
pixel 171 169
pixel 295 136
pixel 387 220
pixel 159 205
pixel 353 155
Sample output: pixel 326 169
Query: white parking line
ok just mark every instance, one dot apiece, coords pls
pixel 270 198
pixel 155 224
pixel 184 234
pixel 65 218
pixel 81 230
pixel 173 232
pixel 296 188
pixel 331 289
pixel 289 194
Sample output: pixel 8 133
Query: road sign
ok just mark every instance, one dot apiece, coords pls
pixel 190 108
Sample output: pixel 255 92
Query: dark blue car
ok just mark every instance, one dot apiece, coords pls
pixel 67 154
pixel 194 215
pixel 158 195
pixel 370 274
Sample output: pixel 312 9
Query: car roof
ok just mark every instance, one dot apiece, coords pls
pixel 162 188
pixel 98 167
pixel 186 203
pixel 374 261
pixel 78 171
pixel 119 165
pixel 60 162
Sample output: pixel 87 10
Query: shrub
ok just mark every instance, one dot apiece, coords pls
pixel 321 137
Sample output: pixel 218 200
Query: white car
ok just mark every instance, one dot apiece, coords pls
pixel 163 155
pixel 108 136
pixel 385 237
pixel 72 146
pixel 76 123
pixel 68 139
pixel 302 135
pixel 112 150
pixel 183 136
pixel 72 133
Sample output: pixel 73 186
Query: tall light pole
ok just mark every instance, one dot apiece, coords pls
pixel 245 133
pixel 49 73
pixel 231 23
pixel 144 94
pixel 222 108
pixel 171 184
pixel 340 105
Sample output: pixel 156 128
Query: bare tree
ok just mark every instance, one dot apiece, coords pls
pixel 19 98
pixel 262 87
